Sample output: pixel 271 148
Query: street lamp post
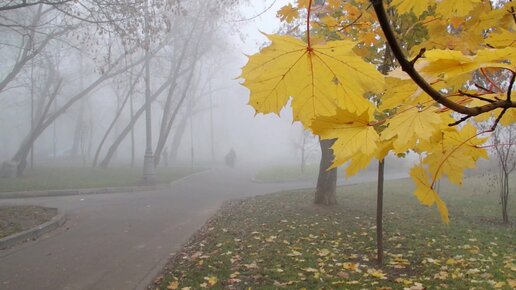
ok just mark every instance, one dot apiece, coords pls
pixel 149 171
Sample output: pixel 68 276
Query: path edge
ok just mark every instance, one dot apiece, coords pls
pixel 33 233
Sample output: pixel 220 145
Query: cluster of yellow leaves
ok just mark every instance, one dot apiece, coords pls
pixel 447 8
pixel 328 84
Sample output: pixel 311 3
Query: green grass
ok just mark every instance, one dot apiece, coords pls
pixel 55 178
pixel 282 240
pixel 289 173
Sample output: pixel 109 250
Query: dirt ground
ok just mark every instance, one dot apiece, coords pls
pixel 14 219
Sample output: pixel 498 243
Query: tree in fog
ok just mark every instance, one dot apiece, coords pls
pixel 42 31
pixel 504 149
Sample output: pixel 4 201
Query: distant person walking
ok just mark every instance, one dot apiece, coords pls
pixel 231 158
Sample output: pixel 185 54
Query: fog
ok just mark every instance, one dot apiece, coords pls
pixel 73 91
pixel 214 109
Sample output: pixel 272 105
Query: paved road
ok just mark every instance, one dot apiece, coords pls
pixel 120 241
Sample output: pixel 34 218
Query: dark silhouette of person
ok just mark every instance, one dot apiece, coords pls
pixel 231 158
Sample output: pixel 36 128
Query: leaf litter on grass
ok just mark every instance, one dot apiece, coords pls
pixel 283 241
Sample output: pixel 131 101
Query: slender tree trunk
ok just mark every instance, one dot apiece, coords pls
pixel 505 197
pixel 303 161
pixel 178 137
pixel 133 151
pixel 379 212
pixel 115 119
pixel 112 149
pixel 327 182
pixel 20 158
pixel 78 133
pixel 166 127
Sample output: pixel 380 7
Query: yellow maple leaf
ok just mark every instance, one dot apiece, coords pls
pixel 319 78
pixel 457 8
pixel 426 194
pixel 212 280
pixel 398 91
pixel 351 266
pixel 450 63
pixel 173 285
pixel 406 6
pixel 501 38
pixel 288 13
pixel 496 57
pixel 410 124
pixel 356 138
pixel 455 152
pixel 303 3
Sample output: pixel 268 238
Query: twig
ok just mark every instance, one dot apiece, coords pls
pixel 459 121
pixel 476 97
pixel 498 119
pixel 418 56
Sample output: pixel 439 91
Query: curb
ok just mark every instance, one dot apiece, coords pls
pixel 33 233
pixel 84 191
pixel 66 192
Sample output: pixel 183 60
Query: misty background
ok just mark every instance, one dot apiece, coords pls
pixel 201 52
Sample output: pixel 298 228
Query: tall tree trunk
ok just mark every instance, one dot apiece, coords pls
pixel 178 137
pixel 166 127
pixel 112 149
pixel 117 115
pixel 327 181
pixel 78 133
pixel 303 161
pixel 505 196
pixel 20 158
pixel 379 212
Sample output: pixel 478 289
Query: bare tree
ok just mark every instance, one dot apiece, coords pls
pixel 504 148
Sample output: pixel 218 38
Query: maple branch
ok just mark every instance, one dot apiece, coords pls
pixel 465 118
pixel 408 67
pixel 511 84
pixel 476 97
pixel 498 119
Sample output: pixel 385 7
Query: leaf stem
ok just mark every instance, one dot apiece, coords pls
pixel 308 24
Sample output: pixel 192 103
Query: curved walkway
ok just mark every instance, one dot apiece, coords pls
pixel 122 240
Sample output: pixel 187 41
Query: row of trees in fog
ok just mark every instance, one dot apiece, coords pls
pixel 60 55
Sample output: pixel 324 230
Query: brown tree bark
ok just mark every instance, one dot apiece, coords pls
pixel 325 193
pixel 379 212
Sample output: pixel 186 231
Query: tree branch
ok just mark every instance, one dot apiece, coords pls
pixel 408 67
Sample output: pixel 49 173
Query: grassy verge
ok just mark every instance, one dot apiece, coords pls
pixel 54 178
pixel 283 241
pixel 15 219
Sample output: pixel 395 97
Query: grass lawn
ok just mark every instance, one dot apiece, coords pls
pixel 282 240
pixel 49 178
pixel 289 173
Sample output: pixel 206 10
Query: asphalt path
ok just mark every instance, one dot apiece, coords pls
pixel 122 240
